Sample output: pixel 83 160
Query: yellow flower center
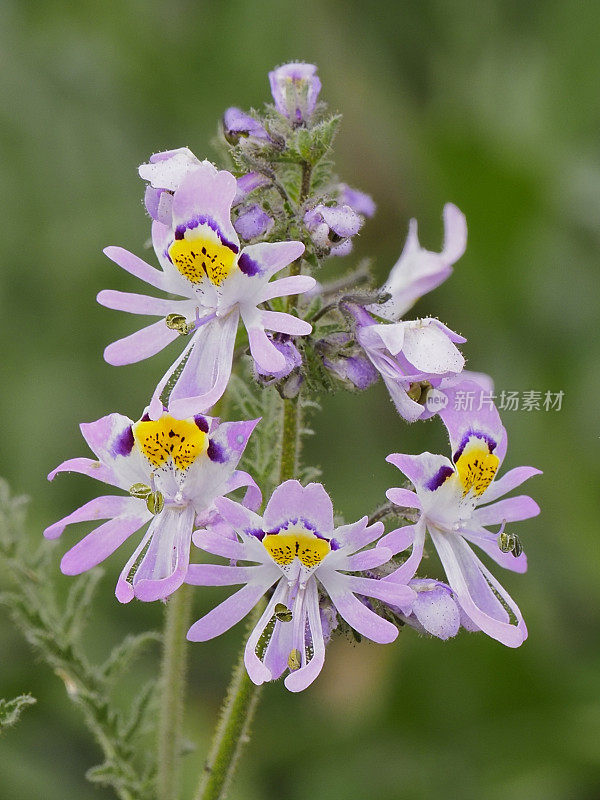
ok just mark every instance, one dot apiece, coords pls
pixel 476 466
pixel 203 257
pixel 179 440
pixel 296 543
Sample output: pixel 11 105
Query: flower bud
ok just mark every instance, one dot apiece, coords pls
pixel 253 222
pixel 332 226
pixel 359 201
pixel 237 125
pixel 295 88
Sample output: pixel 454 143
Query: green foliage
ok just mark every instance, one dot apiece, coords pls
pixel 11 710
pixel 54 629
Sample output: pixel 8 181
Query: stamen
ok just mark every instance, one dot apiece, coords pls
pixel 294 660
pixel 177 322
pixel 140 490
pixel 155 502
pixel 283 613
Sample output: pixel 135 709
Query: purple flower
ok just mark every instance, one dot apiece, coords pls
pixel 348 362
pixel 358 201
pixel 418 271
pixel 237 124
pixel 407 354
pixel 457 500
pixel 164 173
pixel 201 262
pixel 332 226
pixel 253 222
pixel 247 184
pixel 435 610
pixel 295 88
pixel 174 469
pixel 296 549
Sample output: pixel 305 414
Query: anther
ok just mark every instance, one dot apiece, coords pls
pixel 155 502
pixel 140 490
pixel 294 660
pixel 177 322
pixel 283 613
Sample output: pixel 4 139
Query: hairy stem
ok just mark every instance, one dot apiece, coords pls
pixel 290 439
pixel 173 673
pixel 233 729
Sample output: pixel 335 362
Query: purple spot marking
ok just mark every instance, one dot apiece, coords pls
pixel 216 452
pixel 479 435
pixel 438 479
pixel 260 535
pixel 202 219
pixel 248 266
pixel 123 443
pixel 201 422
pixel 145 418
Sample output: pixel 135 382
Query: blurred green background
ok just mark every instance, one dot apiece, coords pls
pixel 492 105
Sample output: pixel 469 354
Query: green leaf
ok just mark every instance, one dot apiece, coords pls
pixel 129 649
pixel 11 710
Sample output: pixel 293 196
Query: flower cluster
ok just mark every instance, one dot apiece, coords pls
pixel 220 236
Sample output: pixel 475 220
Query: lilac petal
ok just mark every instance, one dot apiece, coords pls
pixel 359 201
pixel 257 670
pixel 164 566
pixel 299 679
pixel 206 373
pixel 398 540
pixel 105 507
pixel 278 650
pixel 403 498
pixel 429 348
pixel 368 559
pixel 455 233
pixel 513 478
pixel 253 497
pixel 229 612
pixel 85 466
pixel 135 266
pixel 420 469
pixel 248 183
pixel 156 407
pixel 138 303
pixel 124 591
pixel 358 534
pixel 273 256
pixel 391 592
pixel 474 587
pixel 512 509
pixel 219 575
pixel 295 284
pixel 292 501
pixel 206 192
pixel 488 542
pixel 406 570
pixel 166 170
pixel 295 88
pixel 356 614
pixel 437 612
pixel 219 545
pixel 237 515
pixel 285 323
pixel 268 358
pixel 99 544
pixel 140 345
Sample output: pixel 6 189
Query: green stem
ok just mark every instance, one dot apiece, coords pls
pixel 233 729
pixel 173 673
pixel 290 439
